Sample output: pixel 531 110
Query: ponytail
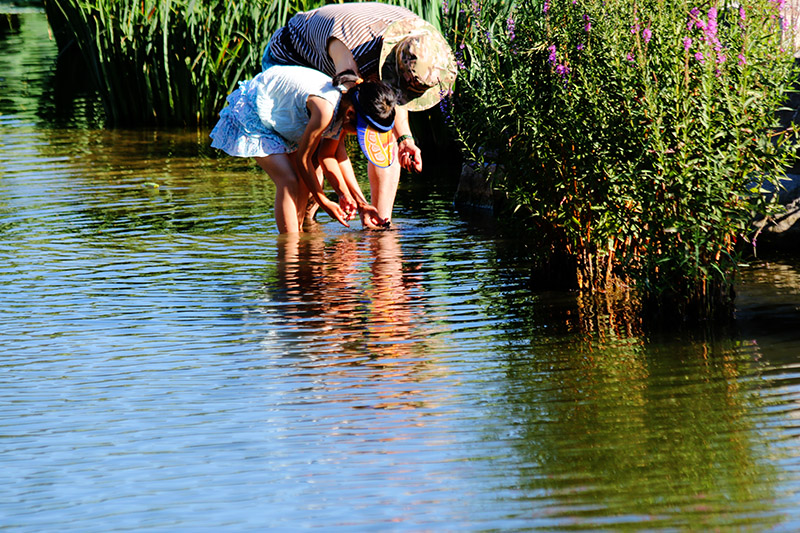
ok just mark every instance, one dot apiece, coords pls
pixel 346 80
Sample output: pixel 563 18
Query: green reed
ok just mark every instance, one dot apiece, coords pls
pixel 637 135
pixel 173 62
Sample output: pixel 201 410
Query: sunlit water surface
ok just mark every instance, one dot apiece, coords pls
pixel 168 362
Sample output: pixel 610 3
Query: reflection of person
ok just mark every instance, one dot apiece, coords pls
pixel 325 282
pixel 353 309
pixel 290 118
pixel 377 41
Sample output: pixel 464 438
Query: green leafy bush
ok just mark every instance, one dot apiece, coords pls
pixel 637 134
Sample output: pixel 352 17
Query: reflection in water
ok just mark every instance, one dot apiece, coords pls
pixel 37 83
pixel 664 433
pixel 768 306
pixel 353 305
pixel 125 182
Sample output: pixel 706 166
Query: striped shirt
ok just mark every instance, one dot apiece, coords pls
pixel 360 26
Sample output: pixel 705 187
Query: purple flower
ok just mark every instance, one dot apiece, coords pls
pixel 712 17
pixel 580 46
pixel 694 17
pixel 629 57
pixel 721 58
pixel 700 58
pixel 552 57
pixel 510 27
pixel 476 7
pixel 444 105
pixel 562 70
pixel 647 34
pixel 546 7
pixel 742 14
pixel 711 28
pixel 687 43
pixel 460 58
pixel 742 60
pixel 779 9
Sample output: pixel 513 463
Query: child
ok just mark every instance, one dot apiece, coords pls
pixel 291 119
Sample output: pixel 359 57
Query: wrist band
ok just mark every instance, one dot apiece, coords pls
pixel 404 137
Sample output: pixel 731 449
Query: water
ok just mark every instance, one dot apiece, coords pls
pixel 169 363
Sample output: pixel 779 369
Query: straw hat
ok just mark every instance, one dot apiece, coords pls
pixel 416 60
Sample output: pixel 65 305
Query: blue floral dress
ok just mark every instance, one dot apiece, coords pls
pixel 267 115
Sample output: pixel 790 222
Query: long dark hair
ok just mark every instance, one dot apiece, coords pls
pixel 375 99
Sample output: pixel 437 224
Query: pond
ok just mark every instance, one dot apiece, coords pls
pixel 168 362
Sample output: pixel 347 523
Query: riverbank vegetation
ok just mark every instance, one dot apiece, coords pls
pixel 637 136
pixel 167 63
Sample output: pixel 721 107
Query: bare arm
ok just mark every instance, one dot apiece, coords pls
pixel 339 171
pixel 320 116
pixel 408 152
pixel 369 214
pixel 333 173
pixel 341 56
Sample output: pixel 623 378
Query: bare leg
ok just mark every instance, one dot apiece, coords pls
pixel 383 184
pixel 311 210
pixel 287 189
pixel 312 206
pixel 303 194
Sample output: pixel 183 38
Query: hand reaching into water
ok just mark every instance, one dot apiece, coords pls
pixel 371 219
pixel 348 204
pixel 334 210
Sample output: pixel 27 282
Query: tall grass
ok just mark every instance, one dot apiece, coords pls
pixel 173 62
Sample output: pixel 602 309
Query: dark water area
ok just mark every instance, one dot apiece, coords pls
pixel 168 362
